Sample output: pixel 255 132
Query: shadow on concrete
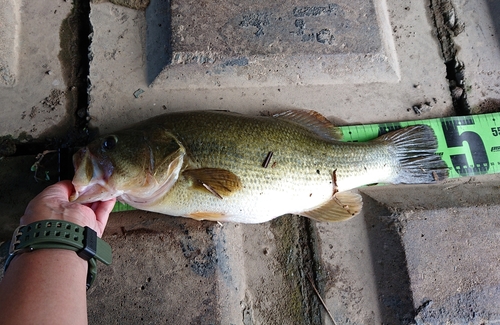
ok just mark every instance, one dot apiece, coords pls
pixel 494 7
pixel 19 187
pixel 158 38
pixel 389 264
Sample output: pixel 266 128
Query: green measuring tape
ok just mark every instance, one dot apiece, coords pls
pixel 470 145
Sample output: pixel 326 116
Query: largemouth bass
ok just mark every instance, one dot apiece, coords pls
pixel 224 166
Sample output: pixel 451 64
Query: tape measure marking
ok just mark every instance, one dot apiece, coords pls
pixel 470 145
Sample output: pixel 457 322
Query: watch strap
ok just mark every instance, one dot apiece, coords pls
pixel 53 234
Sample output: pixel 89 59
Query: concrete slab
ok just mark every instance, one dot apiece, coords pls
pixel 33 91
pixel 362 269
pixel 124 49
pixel 258 44
pixel 176 270
pixel 479 50
pixel 453 264
pixel 167 273
pixel 349 280
pixel 9 42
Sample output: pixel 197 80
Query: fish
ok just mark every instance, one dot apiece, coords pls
pixel 224 166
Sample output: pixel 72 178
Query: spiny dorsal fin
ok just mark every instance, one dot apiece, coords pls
pixel 342 206
pixel 313 121
pixel 219 182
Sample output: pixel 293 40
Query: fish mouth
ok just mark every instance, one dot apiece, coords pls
pixel 89 181
pixel 92 193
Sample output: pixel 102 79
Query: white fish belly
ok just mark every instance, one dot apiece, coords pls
pixel 254 205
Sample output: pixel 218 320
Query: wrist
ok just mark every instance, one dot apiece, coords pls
pixel 61 257
pixel 46 286
pixel 61 235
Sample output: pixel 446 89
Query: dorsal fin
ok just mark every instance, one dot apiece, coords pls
pixel 312 121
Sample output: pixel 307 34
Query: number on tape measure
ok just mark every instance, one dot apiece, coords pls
pixel 456 138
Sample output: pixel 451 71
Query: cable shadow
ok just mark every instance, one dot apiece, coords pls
pixel 158 38
pixel 389 264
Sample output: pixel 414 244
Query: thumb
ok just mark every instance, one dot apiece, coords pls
pixel 102 211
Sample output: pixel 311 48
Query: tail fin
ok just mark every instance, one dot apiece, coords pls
pixel 415 149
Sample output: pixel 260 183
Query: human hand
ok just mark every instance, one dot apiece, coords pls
pixel 53 203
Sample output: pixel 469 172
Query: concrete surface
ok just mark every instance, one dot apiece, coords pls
pixel 175 270
pixel 379 80
pixel 453 264
pixel 276 44
pixel 415 255
pixel 9 39
pixel 33 91
pixel 480 35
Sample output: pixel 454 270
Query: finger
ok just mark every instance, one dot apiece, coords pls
pixel 62 189
pixel 103 206
pixel 103 209
pixel 93 205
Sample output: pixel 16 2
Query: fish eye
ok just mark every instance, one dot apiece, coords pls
pixel 109 142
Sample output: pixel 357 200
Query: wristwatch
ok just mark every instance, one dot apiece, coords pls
pixel 50 234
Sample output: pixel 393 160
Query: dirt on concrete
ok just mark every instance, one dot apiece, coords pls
pixel 490 105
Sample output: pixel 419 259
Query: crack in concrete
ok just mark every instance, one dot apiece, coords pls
pixel 299 259
pixel 447 27
pixel 73 60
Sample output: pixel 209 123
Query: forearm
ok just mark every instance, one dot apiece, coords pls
pixel 45 286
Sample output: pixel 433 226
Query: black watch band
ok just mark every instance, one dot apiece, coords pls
pixel 50 234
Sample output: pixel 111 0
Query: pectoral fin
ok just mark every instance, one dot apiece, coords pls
pixel 219 182
pixel 343 206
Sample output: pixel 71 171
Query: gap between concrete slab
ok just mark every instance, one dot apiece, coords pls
pixel 448 25
pixel 74 56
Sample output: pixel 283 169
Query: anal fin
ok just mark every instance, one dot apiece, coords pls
pixel 201 215
pixel 342 206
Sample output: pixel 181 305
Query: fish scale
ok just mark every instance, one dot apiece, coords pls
pixel 306 153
